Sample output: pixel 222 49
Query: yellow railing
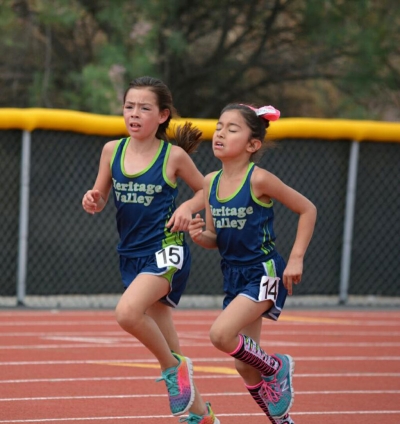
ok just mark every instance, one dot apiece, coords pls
pixel 105 125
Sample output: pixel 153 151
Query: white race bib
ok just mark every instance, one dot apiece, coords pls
pixel 170 256
pixel 269 287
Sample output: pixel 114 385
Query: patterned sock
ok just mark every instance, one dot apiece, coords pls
pixel 255 392
pixel 258 394
pixel 249 352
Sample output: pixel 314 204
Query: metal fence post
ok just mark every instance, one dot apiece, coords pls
pixel 23 218
pixel 349 222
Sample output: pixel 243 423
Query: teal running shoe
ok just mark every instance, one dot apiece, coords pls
pixel 279 389
pixel 180 386
pixel 208 418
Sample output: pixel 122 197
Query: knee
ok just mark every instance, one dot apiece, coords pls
pixel 126 317
pixel 220 339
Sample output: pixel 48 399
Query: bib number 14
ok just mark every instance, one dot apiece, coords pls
pixel 269 287
pixel 170 256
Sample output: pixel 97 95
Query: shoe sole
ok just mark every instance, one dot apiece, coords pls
pixel 291 372
pixel 190 368
pixel 276 420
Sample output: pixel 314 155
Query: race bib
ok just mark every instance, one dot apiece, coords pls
pixel 269 287
pixel 170 256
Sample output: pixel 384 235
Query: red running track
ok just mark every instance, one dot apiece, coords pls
pixel 63 366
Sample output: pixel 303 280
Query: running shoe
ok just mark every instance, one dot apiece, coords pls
pixel 180 386
pixel 208 418
pixel 279 388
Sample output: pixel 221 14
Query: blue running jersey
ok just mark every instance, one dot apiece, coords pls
pixel 145 202
pixel 244 224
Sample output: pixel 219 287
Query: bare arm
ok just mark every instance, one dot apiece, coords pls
pixel 267 185
pixel 95 199
pixel 205 238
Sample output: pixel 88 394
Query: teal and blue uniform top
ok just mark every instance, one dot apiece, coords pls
pixel 145 202
pixel 243 224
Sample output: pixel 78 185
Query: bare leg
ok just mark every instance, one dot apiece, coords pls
pixel 244 314
pixel 240 313
pixel 162 316
pixel 131 315
pixel 249 374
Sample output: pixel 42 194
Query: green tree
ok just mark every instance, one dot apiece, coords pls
pixel 322 58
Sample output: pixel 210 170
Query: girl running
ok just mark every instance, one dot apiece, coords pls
pixel 142 171
pixel 239 222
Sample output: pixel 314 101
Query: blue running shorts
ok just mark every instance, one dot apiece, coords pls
pixel 130 268
pixel 248 281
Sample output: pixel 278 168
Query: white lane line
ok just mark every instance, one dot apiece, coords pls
pixel 88 343
pixel 140 396
pixel 308 321
pixel 195 360
pixel 265 331
pixel 153 417
pixel 198 377
pixel 97 323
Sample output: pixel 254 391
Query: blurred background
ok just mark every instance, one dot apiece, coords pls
pixel 313 58
pixel 323 59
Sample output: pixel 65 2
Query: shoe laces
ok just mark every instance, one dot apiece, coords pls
pixel 272 390
pixel 171 383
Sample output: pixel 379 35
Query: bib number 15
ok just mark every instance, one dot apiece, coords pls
pixel 269 287
pixel 170 256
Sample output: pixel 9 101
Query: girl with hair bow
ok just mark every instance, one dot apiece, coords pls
pixel 256 280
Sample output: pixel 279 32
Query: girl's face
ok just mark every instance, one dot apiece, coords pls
pixel 141 113
pixel 232 136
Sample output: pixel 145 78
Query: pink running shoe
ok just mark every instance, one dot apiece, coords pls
pixel 179 382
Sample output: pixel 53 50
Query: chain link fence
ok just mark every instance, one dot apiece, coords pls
pixel 71 258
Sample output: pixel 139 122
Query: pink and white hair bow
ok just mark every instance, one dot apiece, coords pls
pixel 266 112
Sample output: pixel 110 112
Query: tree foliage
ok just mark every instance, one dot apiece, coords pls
pixel 321 58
